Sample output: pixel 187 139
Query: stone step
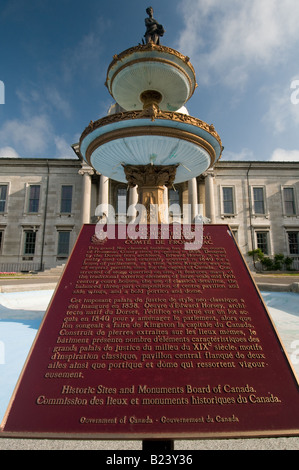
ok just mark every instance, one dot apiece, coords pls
pixel 57 271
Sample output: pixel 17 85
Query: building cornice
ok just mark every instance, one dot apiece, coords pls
pixel 255 164
pixel 39 161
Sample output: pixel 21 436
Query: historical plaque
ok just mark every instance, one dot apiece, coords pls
pixel 146 339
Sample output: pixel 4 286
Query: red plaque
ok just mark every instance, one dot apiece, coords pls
pixel 146 339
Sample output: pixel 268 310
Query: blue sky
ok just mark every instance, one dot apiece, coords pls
pixel 54 56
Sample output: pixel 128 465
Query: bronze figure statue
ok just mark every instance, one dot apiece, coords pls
pixel 154 30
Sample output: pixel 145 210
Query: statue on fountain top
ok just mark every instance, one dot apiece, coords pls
pixel 154 30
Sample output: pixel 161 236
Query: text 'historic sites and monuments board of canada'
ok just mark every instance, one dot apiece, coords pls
pixel 146 339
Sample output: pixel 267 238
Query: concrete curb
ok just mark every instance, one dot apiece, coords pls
pixel 27 287
pixel 274 287
pixel 266 287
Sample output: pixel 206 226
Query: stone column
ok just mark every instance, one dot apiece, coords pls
pixel 202 198
pixel 102 208
pixel 210 200
pixel 103 190
pixel 86 193
pixel 192 198
pixel 133 200
pixel 166 205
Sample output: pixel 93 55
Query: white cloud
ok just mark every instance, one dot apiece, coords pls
pixel 282 113
pixel 8 152
pixel 244 155
pixel 278 155
pixel 44 101
pixel 228 38
pixel 63 148
pixel 84 57
pixel 29 136
pixel 282 155
pixel 34 134
pixel 57 101
pixel 33 137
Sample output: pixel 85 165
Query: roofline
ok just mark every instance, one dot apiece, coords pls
pixel 257 162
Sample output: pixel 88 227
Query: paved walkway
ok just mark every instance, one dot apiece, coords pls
pixel 281 443
pixel 277 282
pixel 28 282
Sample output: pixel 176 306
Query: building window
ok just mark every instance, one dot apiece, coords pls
pixel 289 201
pixel 174 197
pixel 262 242
pixel 121 201
pixel 1 240
pixel 63 244
pixel 174 205
pixel 30 241
pixel 235 233
pixel 293 239
pixel 34 195
pixel 228 200
pixel 3 196
pixel 66 199
pixel 258 201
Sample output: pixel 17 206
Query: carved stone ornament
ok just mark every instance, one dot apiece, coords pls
pixel 150 175
pixel 86 171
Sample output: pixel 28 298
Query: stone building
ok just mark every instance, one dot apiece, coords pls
pixel 44 202
pixel 259 200
pixel 40 212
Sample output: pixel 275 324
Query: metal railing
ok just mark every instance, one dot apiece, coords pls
pixel 20 267
pixel 295 264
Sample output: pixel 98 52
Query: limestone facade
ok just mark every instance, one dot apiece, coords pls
pixel 263 200
pixel 40 209
pixel 43 204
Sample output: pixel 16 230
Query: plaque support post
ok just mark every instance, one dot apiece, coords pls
pixel 157 446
